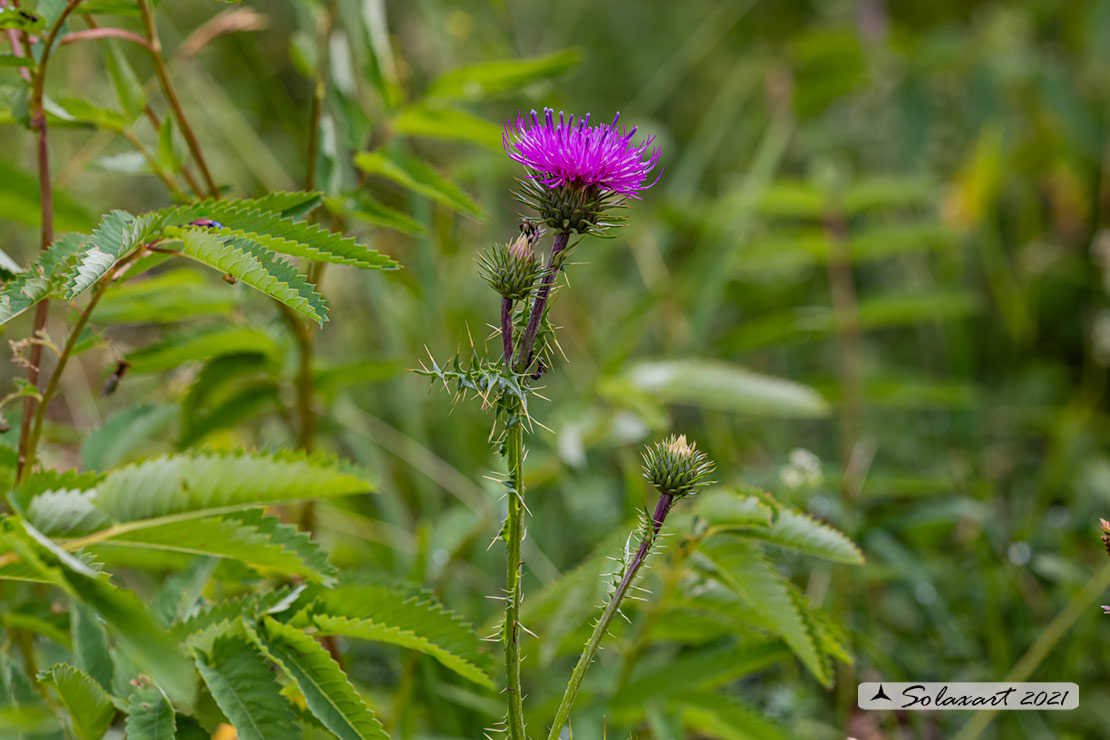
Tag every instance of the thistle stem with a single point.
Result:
(529, 339)
(563, 714)
(510, 632)
(507, 332)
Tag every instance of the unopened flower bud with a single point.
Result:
(676, 467)
(512, 270)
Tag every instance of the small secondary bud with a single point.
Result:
(512, 270)
(676, 467)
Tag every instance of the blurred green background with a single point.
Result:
(896, 208)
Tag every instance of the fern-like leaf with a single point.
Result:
(39, 280)
(329, 695)
(240, 259)
(118, 234)
(742, 567)
(89, 706)
(248, 536)
(211, 482)
(385, 613)
(284, 235)
(245, 690)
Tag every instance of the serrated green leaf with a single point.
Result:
(255, 267)
(724, 508)
(150, 715)
(742, 567)
(118, 234)
(245, 690)
(89, 706)
(328, 693)
(489, 78)
(125, 435)
(792, 528)
(419, 177)
(194, 345)
(251, 606)
(277, 232)
(248, 536)
(40, 279)
(385, 613)
(210, 482)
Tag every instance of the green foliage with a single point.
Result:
(329, 695)
(743, 568)
(417, 176)
(384, 613)
(89, 706)
(490, 78)
(244, 688)
(150, 714)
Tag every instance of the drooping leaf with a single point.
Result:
(246, 690)
(89, 706)
(249, 263)
(419, 177)
(385, 613)
(742, 567)
(150, 715)
(328, 693)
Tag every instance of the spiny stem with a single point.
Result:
(529, 338)
(63, 360)
(507, 332)
(514, 444)
(46, 203)
(602, 627)
(171, 97)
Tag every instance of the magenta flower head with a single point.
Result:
(577, 171)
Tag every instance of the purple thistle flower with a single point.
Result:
(569, 152)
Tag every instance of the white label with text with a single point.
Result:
(940, 696)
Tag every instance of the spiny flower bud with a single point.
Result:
(1105, 534)
(677, 467)
(512, 269)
